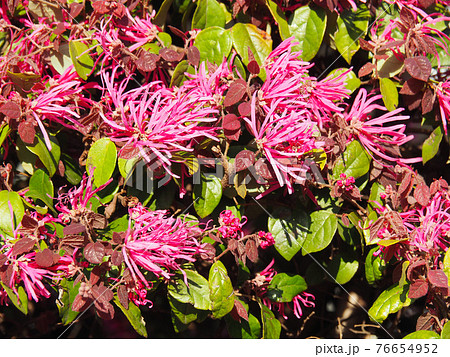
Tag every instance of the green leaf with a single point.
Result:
(4, 132)
(133, 314)
(250, 329)
(374, 267)
(289, 231)
(64, 303)
(118, 225)
(271, 326)
(72, 170)
(355, 161)
(214, 43)
(178, 76)
(343, 267)
(284, 287)
(6, 221)
(445, 333)
(20, 302)
(422, 335)
(221, 290)
(126, 167)
(321, 232)
(160, 18)
(195, 293)
(82, 61)
(184, 313)
(446, 263)
(351, 26)
(390, 301)
(430, 146)
(280, 18)
(208, 13)
(60, 59)
(389, 93)
(207, 195)
(307, 24)
(375, 191)
(389, 67)
(41, 187)
(247, 36)
(50, 159)
(352, 82)
(102, 156)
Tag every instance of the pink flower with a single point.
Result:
(78, 200)
(266, 239)
(158, 244)
(230, 225)
(156, 121)
(263, 280)
(289, 85)
(373, 134)
(139, 31)
(443, 96)
(283, 139)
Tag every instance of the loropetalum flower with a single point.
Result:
(158, 244)
(156, 121)
(230, 225)
(262, 281)
(139, 31)
(76, 204)
(284, 139)
(373, 133)
(442, 91)
(289, 85)
(266, 239)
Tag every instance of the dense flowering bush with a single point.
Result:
(223, 168)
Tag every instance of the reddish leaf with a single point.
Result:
(428, 101)
(123, 296)
(99, 221)
(366, 69)
(100, 7)
(422, 194)
(251, 250)
(426, 3)
(412, 86)
(3, 259)
(74, 228)
(44, 258)
(29, 223)
(232, 135)
(74, 241)
(407, 17)
(240, 309)
(117, 238)
(80, 303)
(193, 56)
(245, 109)
(244, 159)
(253, 67)
(128, 152)
(406, 184)
(418, 289)
(102, 293)
(438, 278)
(94, 252)
(235, 93)
(263, 169)
(424, 322)
(147, 61)
(231, 123)
(177, 32)
(418, 67)
(116, 258)
(413, 101)
(392, 44)
(171, 55)
(96, 273)
(10, 109)
(366, 45)
(104, 310)
(75, 9)
(120, 10)
(375, 228)
(23, 245)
